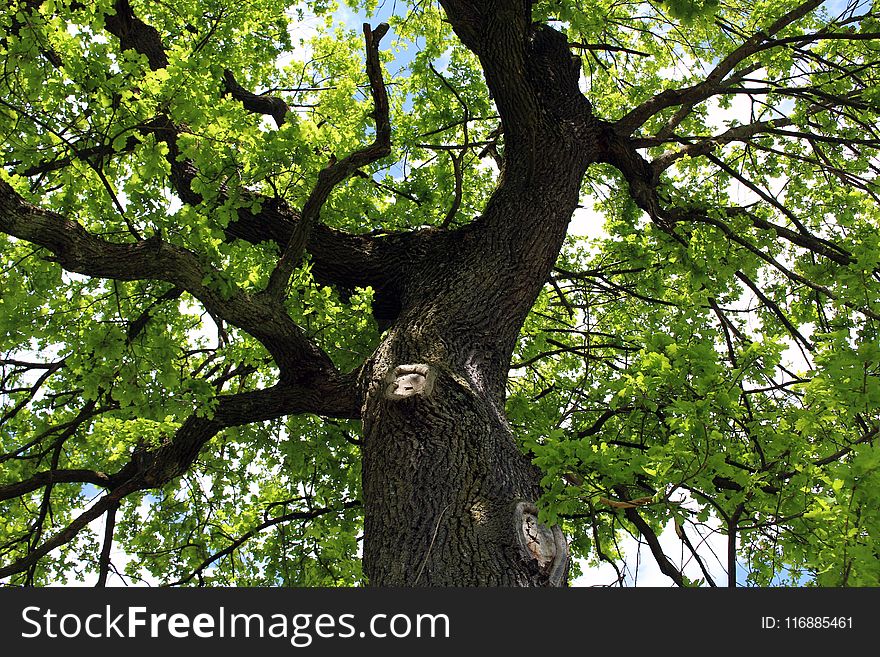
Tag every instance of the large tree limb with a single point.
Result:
(713, 82)
(259, 104)
(338, 259)
(529, 70)
(335, 397)
(81, 252)
(69, 532)
(49, 477)
(134, 34)
(152, 468)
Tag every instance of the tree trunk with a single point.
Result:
(449, 498)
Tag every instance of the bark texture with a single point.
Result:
(442, 474)
(449, 498)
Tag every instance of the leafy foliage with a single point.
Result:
(710, 366)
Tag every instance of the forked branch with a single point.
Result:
(337, 171)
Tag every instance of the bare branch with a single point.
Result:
(679, 530)
(606, 47)
(648, 534)
(104, 559)
(774, 308)
(67, 429)
(757, 190)
(32, 391)
(456, 158)
(241, 540)
(137, 326)
(336, 172)
(600, 422)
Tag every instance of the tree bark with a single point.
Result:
(449, 497)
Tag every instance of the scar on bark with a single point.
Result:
(409, 380)
(546, 545)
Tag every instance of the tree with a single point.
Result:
(268, 306)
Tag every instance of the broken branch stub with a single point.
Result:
(546, 545)
(409, 380)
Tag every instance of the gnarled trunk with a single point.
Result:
(449, 498)
(448, 495)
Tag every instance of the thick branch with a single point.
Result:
(815, 244)
(334, 397)
(154, 468)
(49, 477)
(136, 35)
(68, 533)
(79, 251)
(529, 70)
(137, 326)
(600, 422)
(270, 105)
(607, 47)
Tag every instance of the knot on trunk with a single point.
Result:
(546, 545)
(409, 381)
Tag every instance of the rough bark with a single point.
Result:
(449, 498)
(444, 483)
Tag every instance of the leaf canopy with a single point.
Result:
(704, 358)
